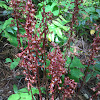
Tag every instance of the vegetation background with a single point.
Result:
(75, 27)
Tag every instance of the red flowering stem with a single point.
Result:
(38, 84)
(94, 51)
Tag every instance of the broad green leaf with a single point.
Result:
(59, 20)
(76, 74)
(14, 97)
(56, 12)
(8, 60)
(16, 60)
(11, 38)
(34, 90)
(24, 90)
(89, 9)
(62, 78)
(57, 40)
(25, 96)
(53, 4)
(59, 33)
(96, 72)
(7, 0)
(14, 28)
(76, 63)
(88, 77)
(51, 37)
(68, 61)
(0, 28)
(15, 88)
(7, 22)
(51, 27)
(52, 49)
(2, 2)
(66, 28)
(9, 29)
(57, 23)
(98, 11)
(48, 8)
(61, 26)
(97, 66)
(63, 19)
(3, 5)
(43, 90)
(13, 65)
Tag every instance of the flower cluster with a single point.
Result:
(56, 70)
(76, 11)
(96, 89)
(33, 55)
(69, 87)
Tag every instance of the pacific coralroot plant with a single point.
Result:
(34, 56)
(50, 69)
(57, 69)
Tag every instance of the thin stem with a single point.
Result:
(38, 85)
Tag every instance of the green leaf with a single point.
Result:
(15, 88)
(76, 63)
(57, 40)
(8, 29)
(34, 90)
(3, 5)
(7, 0)
(88, 77)
(68, 61)
(0, 28)
(11, 38)
(24, 90)
(8, 60)
(14, 97)
(13, 65)
(47, 63)
(52, 49)
(43, 90)
(59, 33)
(88, 10)
(56, 12)
(97, 66)
(59, 20)
(14, 28)
(62, 78)
(51, 37)
(66, 21)
(61, 26)
(7, 22)
(98, 11)
(48, 8)
(16, 60)
(25, 96)
(76, 74)
(57, 23)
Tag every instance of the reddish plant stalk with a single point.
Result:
(94, 50)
